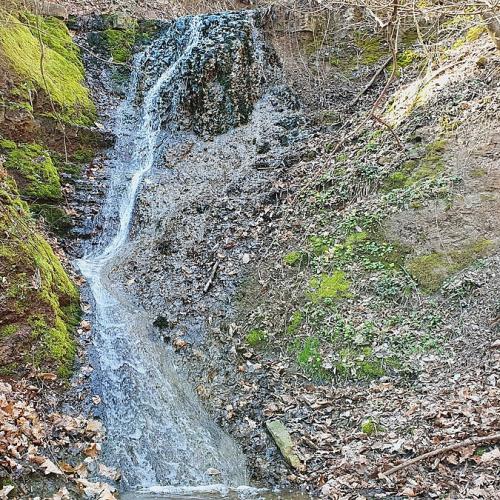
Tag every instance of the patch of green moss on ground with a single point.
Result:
(334, 286)
(310, 360)
(39, 293)
(370, 250)
(295, 321)
(255, 337)
(295, 258)
(431, 270)
(370, 427)
(8, 331)
(62, 76)
(407, 58)
(37, 176)
(361, 363)
(429, 167)
(472, 34)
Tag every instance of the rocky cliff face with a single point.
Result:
(216, 87)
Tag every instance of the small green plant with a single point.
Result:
(309, 358)
(295, 321)
(295, 258)
(319, 244)
(370, 427)
(255, 337)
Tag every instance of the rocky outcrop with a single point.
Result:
(227, 66)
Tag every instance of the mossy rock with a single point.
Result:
(431, 270)
(62, 77)
(39, 295)
(32, 167)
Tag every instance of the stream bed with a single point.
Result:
(190, 90)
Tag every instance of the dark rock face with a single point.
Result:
(227, 66)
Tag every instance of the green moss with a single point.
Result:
(310, 360)
(371, 48)
(478, 172)
(432, 164)
(370, 250)
(33, 167)
(360, 363)
(396, 180)
(295, 258)
(120, 43)
(294, 323)
(54, 34)
(255, 338)
(407, 58)
(370, 427)
(62, 76)
(39, 295)
(334, 286)
(431, 270)
(319, 244)
(8, 330)
(413, 171)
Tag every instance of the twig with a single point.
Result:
(372, 81)
(212, 276)
(388, 127)
(438, 451)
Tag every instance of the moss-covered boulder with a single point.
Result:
(33, 169)
(49, 75)
(39, 304)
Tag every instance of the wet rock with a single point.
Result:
(226, 69)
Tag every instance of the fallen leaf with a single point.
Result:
(50, 467)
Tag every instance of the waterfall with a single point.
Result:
(158, 434)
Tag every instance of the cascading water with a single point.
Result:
(157, 431)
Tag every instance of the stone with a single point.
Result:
(283, 441)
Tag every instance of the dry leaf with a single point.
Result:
(50, 467)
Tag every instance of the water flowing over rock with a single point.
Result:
(202, 74)
(219, 65)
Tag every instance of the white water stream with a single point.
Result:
(157, 431)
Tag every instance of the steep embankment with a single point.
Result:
(45, 114)
(45, 107)
(368, 322)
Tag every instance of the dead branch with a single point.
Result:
(439, 451)
(372, 81)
